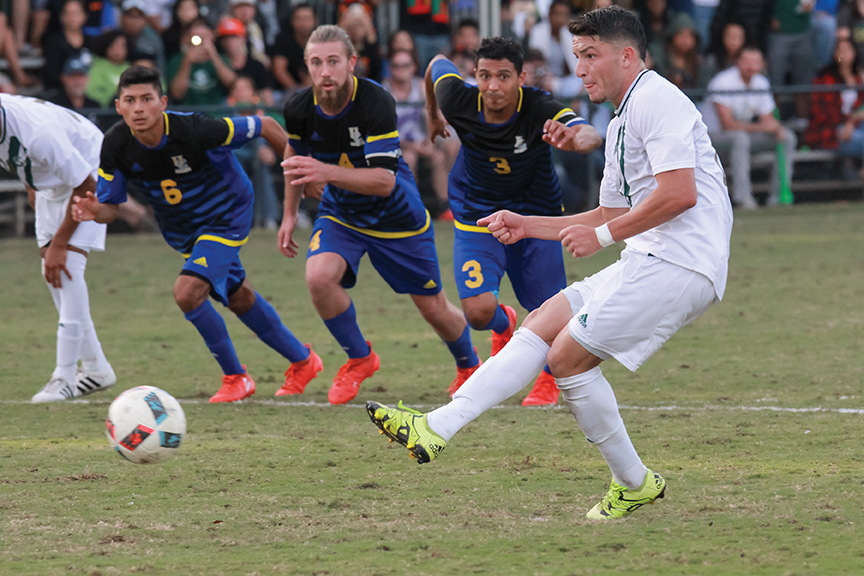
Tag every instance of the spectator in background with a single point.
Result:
(553, 39)
(790, 52)
(703, 13)
(100, 17)
(73, 94)
(655, 19)
(268, 18)
(681, 60)
(399, 40)
(850, 25)
(141, 39)
(232, 41)
(835, 117)
(356, 21)
(725, 54)
(429, 25)
(213, 11)
(289, 68)
(199, 75)
(823, 22)
(109, 62)
(256, 158)
(245, 11)
(466, 37)
(407, 88)
(9, 51)
(743, 123)
(67, 43)
(754, 15)
(183, 14)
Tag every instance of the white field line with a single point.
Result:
(666, 408)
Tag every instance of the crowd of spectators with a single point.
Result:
(248, 54)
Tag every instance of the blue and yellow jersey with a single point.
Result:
(363, 135)
(192, 179)
(500, 166)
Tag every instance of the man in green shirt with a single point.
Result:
(199, 75)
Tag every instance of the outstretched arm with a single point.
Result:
(293, 193)
(579, 138)
(434, 118)
(368, 181)
(274, 134)
(88, 207)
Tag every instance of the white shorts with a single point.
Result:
(50, 214)
(628, 310)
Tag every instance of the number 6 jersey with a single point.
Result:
(192, 179)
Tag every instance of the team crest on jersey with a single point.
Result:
(521, 146)
(356, 138)
(181, 166)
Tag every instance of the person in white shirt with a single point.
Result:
(663, 193)
(553, 39)
(55, 153)
(742, 124)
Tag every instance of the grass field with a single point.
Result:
(753, 414)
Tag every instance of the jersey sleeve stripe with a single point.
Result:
(563, 112)
(394, 134)
(470, 228)
(108, 177)
(225, 241)
(393, 154)
(446, 76)
(230, 131)
(293, 136)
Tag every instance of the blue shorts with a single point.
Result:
(408, 264)
(535, 267)
(217, 264)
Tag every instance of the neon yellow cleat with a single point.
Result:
(621, 501)
(409, 428)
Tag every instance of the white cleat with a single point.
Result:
(89, 382)
(55, 390)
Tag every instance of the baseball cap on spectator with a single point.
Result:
(231, 27)
(76, 65)
(133, 4)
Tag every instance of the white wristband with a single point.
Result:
(604, 236)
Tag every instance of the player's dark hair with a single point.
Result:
(498, 48)
(140, 75)
(612, 23)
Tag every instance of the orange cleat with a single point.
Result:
(500, 340)
(446, 216)
(235, 387)
(462, 375)
(545, 391)
(299, 374)
(351, 374)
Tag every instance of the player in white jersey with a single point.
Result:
(55, 153)
(663, 193)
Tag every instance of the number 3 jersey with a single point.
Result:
(362, 135)
(192, 179)
(503, 165)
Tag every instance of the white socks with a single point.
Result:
(499, 378)
(591, 400)
(76, 336)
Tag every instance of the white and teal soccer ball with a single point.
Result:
(145, 425)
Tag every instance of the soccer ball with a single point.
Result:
(145, 425)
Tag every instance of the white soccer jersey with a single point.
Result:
(657, 129)
(48, 147)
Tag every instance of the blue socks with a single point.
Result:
(212, 328)
(263, 319)
(346, 331)
(463, 351)
(547, 370)
(500, 322)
